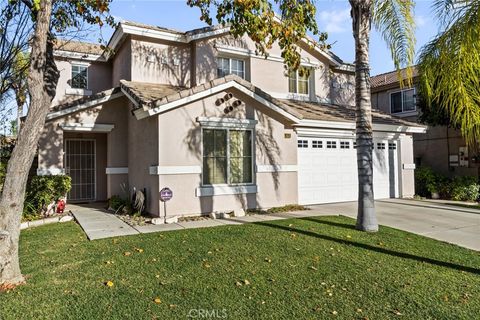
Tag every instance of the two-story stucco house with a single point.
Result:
(442, 148)
(225, 129)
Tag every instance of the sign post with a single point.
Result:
(165, 195)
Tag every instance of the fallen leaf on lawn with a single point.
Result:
(109, 284)
(359, 310)
(313, 268)
(445, 298)
(238, 284)
(293, 235)
(349, 236)
(246, 282)
(157, 300)
(334, 312)
(171, 306)
(268, 260)
(139, 250)
(397, 313)
(290, 225)
(209, 252)
(127, 253)
(157, 276)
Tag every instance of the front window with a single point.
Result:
(402, 101)
(226, 66)
(79, 77)
(227, 156)
(298, 81)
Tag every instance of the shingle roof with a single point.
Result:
(77, 46)
(332, 112)
(389, 78)
(149, 95)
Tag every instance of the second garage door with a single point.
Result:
(327, 170)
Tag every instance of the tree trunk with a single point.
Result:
(361, 17)
(42, 81)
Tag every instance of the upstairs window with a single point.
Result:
(298, 81)
(402, 101)
(79, 77)
(226, 66)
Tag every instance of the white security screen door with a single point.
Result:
(80, 166)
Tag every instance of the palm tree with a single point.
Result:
(449, 66)
(394, 20)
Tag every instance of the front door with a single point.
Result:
(80, 166)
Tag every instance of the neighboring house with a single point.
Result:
(201, 113)
(441, 148)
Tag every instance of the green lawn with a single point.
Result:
(311, 268)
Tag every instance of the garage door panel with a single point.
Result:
(330, 174)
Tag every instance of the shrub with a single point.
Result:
(427, 181)
(116, 203)
(464, 189)
(42, 191)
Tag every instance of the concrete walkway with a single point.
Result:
(457, 225)
(97, 223)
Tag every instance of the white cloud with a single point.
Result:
(335, 21)
(421, 21)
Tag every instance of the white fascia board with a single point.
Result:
(135, 103)
(87, 127)
(157, 34)
(78, 55)
(140, 114)
(352, 126)
(325, 133)
(83, 106)
(207, 34)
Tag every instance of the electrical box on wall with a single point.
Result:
(463, 156)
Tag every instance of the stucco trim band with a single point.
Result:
(50, 171)
(227, 122)
(224, 190)
(168, 170)
(87, 127)
(277, 168)
(116, 170)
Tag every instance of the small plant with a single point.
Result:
(42, 191)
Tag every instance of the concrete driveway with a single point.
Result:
(457, 225)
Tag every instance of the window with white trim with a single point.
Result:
(298, 81)
(79, 77)
(331, 145)
(226, 66)
(302, 143)
(227, 156)
(402, 101)
(344, 145)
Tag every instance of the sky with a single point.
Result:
(333, 16)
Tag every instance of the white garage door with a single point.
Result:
(327, 170)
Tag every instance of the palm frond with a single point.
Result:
(394, 19)
(450, 71)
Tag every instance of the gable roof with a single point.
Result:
(389, 79)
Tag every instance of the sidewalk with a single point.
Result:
(97, 223)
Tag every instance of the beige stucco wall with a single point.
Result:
(122, 63)
(99, 78)
(269, 74)
(143, 153)
(111, 152)
(180, 145)
(160, 62)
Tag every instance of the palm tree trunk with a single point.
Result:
(42, 81)
(361, 16)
